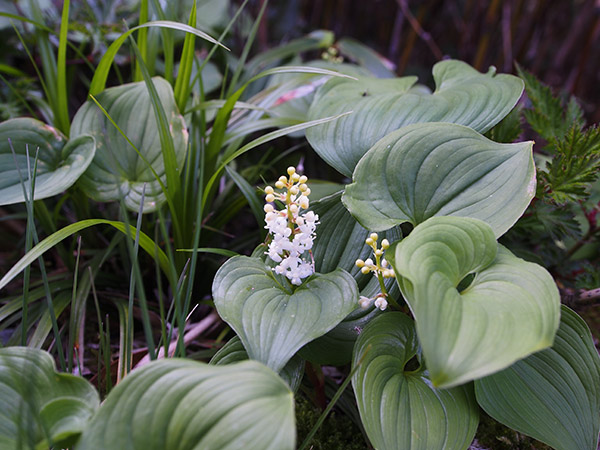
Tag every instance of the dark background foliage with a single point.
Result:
(559, 41)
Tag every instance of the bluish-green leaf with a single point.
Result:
(118, 171)
(233, 351)
(179, 404)
(399, 407)
(39, 407)
(509, 311)
(272, 318)
(441, 169)
(553, 395)
(60, 162)
(462, 95)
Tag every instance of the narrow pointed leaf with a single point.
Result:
(39, 406)
(180, 404)
(509, 311)
(118, 171)
(145, 242)
(441, 169)
(274, 320)
(553, 395)
(399, 407)
(233, 351)
(60, 162)
(463, 95)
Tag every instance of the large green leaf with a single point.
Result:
(339, 243)
(233, 351)
(60, 163)
(274, 319)
(462, 95)
(399, 407)
(118, 170)
(553, 395)
(179, 404)
(441, 169)
(510, 309)
(39, 407)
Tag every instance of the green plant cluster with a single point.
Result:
(433, 271)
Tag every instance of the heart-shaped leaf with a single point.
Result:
(510, 309)
(441, 169)
(234, 351)
(463, 95)
(553, 395)
(399, 407)
(39, 407)
(60, 163)
(117, 170)
(272, 318)
(179, 404)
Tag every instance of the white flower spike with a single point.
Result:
(292, 232)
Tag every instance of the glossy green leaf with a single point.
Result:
(509, 311)
(60, 162)
(441, 169)
(273, 318)
(179, 404)
(39, 407)
(399, 407)
(553, 395)
(118, 171)
(233, 351)
(463, 95)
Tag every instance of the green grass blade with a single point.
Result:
(99, 80)
(249, 193)
(173, 191)
(49, 67)
(215, 251)
(261, 140)
(72, 317)
(182, 84)
(168, 44)
(249, 41)
(43, 246)
(62, 107)
(142, 39)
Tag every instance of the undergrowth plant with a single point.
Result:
(415, 279)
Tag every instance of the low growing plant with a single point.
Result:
(397, 278)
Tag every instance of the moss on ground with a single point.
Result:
(337, 432)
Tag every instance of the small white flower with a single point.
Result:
(381, 303)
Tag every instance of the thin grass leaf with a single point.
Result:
(216, 251)
(173, 190)
(168, 44)
(247, 46)
(62, 108)
(142, 39)
(182, 83)
(249, 193)
(43, 246)
(101, 74)
(261, 140)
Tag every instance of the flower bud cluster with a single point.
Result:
(292, 232)
(380, 268)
